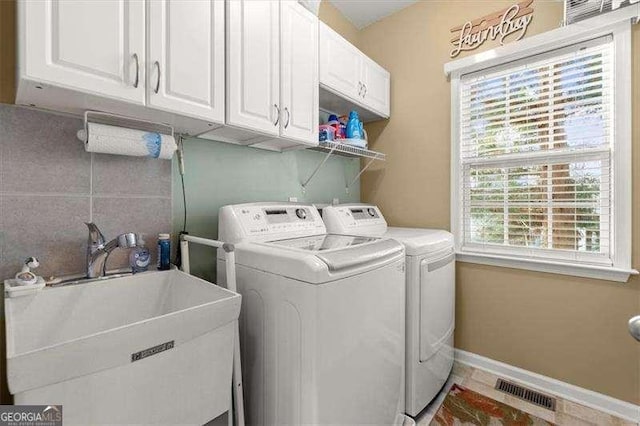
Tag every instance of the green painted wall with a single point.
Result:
(219, 173)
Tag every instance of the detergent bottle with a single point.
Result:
(353, 126)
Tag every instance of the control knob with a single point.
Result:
(371, 212)
(301, 213)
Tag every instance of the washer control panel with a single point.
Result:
(273, 221)
(364, 213)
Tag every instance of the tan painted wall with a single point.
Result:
(337, 21)
(568, 328)
(7, 51)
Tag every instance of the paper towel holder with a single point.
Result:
(110, 119)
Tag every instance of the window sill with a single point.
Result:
(562, 268)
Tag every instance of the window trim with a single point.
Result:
(617, 25)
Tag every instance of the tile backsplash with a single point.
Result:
(49, 186)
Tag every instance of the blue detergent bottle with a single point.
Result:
(353, 126)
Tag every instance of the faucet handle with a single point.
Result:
(129, 240)
(95, 236)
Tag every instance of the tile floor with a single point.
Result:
(567, 413)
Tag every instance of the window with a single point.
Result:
(537, 145)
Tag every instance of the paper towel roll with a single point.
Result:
(105, 139)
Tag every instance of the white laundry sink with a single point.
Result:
(154, 347)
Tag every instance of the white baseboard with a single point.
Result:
(546, 384)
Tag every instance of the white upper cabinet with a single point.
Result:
(299, 72)
(93, 46)
(253, 61)
(185, 65)
(272, 70)
(349, 74)
(243, 71)
(339, 64)
(375, 86)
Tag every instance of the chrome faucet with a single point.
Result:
(98, 251)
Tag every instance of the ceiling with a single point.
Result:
(364, 12)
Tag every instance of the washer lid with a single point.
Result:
(419, 241)
(321, 258)
(341, 252)
(318, 243)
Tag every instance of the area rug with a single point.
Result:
(462, 406)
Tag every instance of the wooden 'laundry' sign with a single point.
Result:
(497, 25)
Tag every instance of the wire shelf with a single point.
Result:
(346, 150)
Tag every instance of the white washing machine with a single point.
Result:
(430, 296)
(321, 324)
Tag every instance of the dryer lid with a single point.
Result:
(418, 241)
(368, 254)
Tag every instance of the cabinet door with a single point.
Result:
(376, 90)
(253, 75)
(299, 69)
(339, 64)
(92, 46)
(186, 57)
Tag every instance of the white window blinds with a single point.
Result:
(535, 156)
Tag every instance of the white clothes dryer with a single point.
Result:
(321, 324)
(430, 296)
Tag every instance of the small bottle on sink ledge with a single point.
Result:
(164, 252)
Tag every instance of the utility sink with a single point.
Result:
(154, 347)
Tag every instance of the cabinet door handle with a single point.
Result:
(278, 116)
(157, 64)
(135, 83)
(288, 117)
(365, 90)
(359, 88)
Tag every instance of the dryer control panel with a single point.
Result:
(268, 222)
(355, 219)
